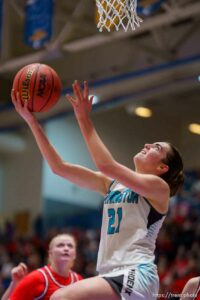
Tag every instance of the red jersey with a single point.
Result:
(41, 284)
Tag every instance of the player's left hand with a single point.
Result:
(81, 101)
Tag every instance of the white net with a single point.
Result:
(116, 14)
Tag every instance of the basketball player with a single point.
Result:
(191, 290)
(17, 274)
(41, 283)
(135, 206)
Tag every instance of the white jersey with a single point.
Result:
(129, 230)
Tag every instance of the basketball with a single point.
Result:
(38, 84)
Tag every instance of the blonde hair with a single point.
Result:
(62, 235)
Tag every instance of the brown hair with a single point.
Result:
(174, 176)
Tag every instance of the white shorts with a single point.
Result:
(140, 282)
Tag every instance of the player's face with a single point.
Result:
(150, 158)
(63, 249)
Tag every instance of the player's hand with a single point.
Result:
(21, 107)
(81, 101)
(19, 272)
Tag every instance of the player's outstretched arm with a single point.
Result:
(82, 105)
(77, 174)
(17, 274)
(149, 186)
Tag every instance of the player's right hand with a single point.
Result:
(21, 107)
(19, 272)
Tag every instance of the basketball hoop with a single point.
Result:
(116, 14)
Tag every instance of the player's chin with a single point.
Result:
(66, 258)
(138, 158)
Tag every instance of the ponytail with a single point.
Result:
(174, 176)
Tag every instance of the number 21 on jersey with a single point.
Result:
(115, 217)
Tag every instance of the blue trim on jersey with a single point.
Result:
(110, 186)
(153, 217)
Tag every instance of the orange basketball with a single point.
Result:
(38, 84)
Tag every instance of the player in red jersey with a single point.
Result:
(43, 282)
(191, 290)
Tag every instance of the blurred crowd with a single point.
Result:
(178, 243)
(177, 253)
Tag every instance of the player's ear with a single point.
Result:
(163, 168)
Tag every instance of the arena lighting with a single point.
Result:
(95, 99)
(143, 112)
(194, 128)
(198, 78)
